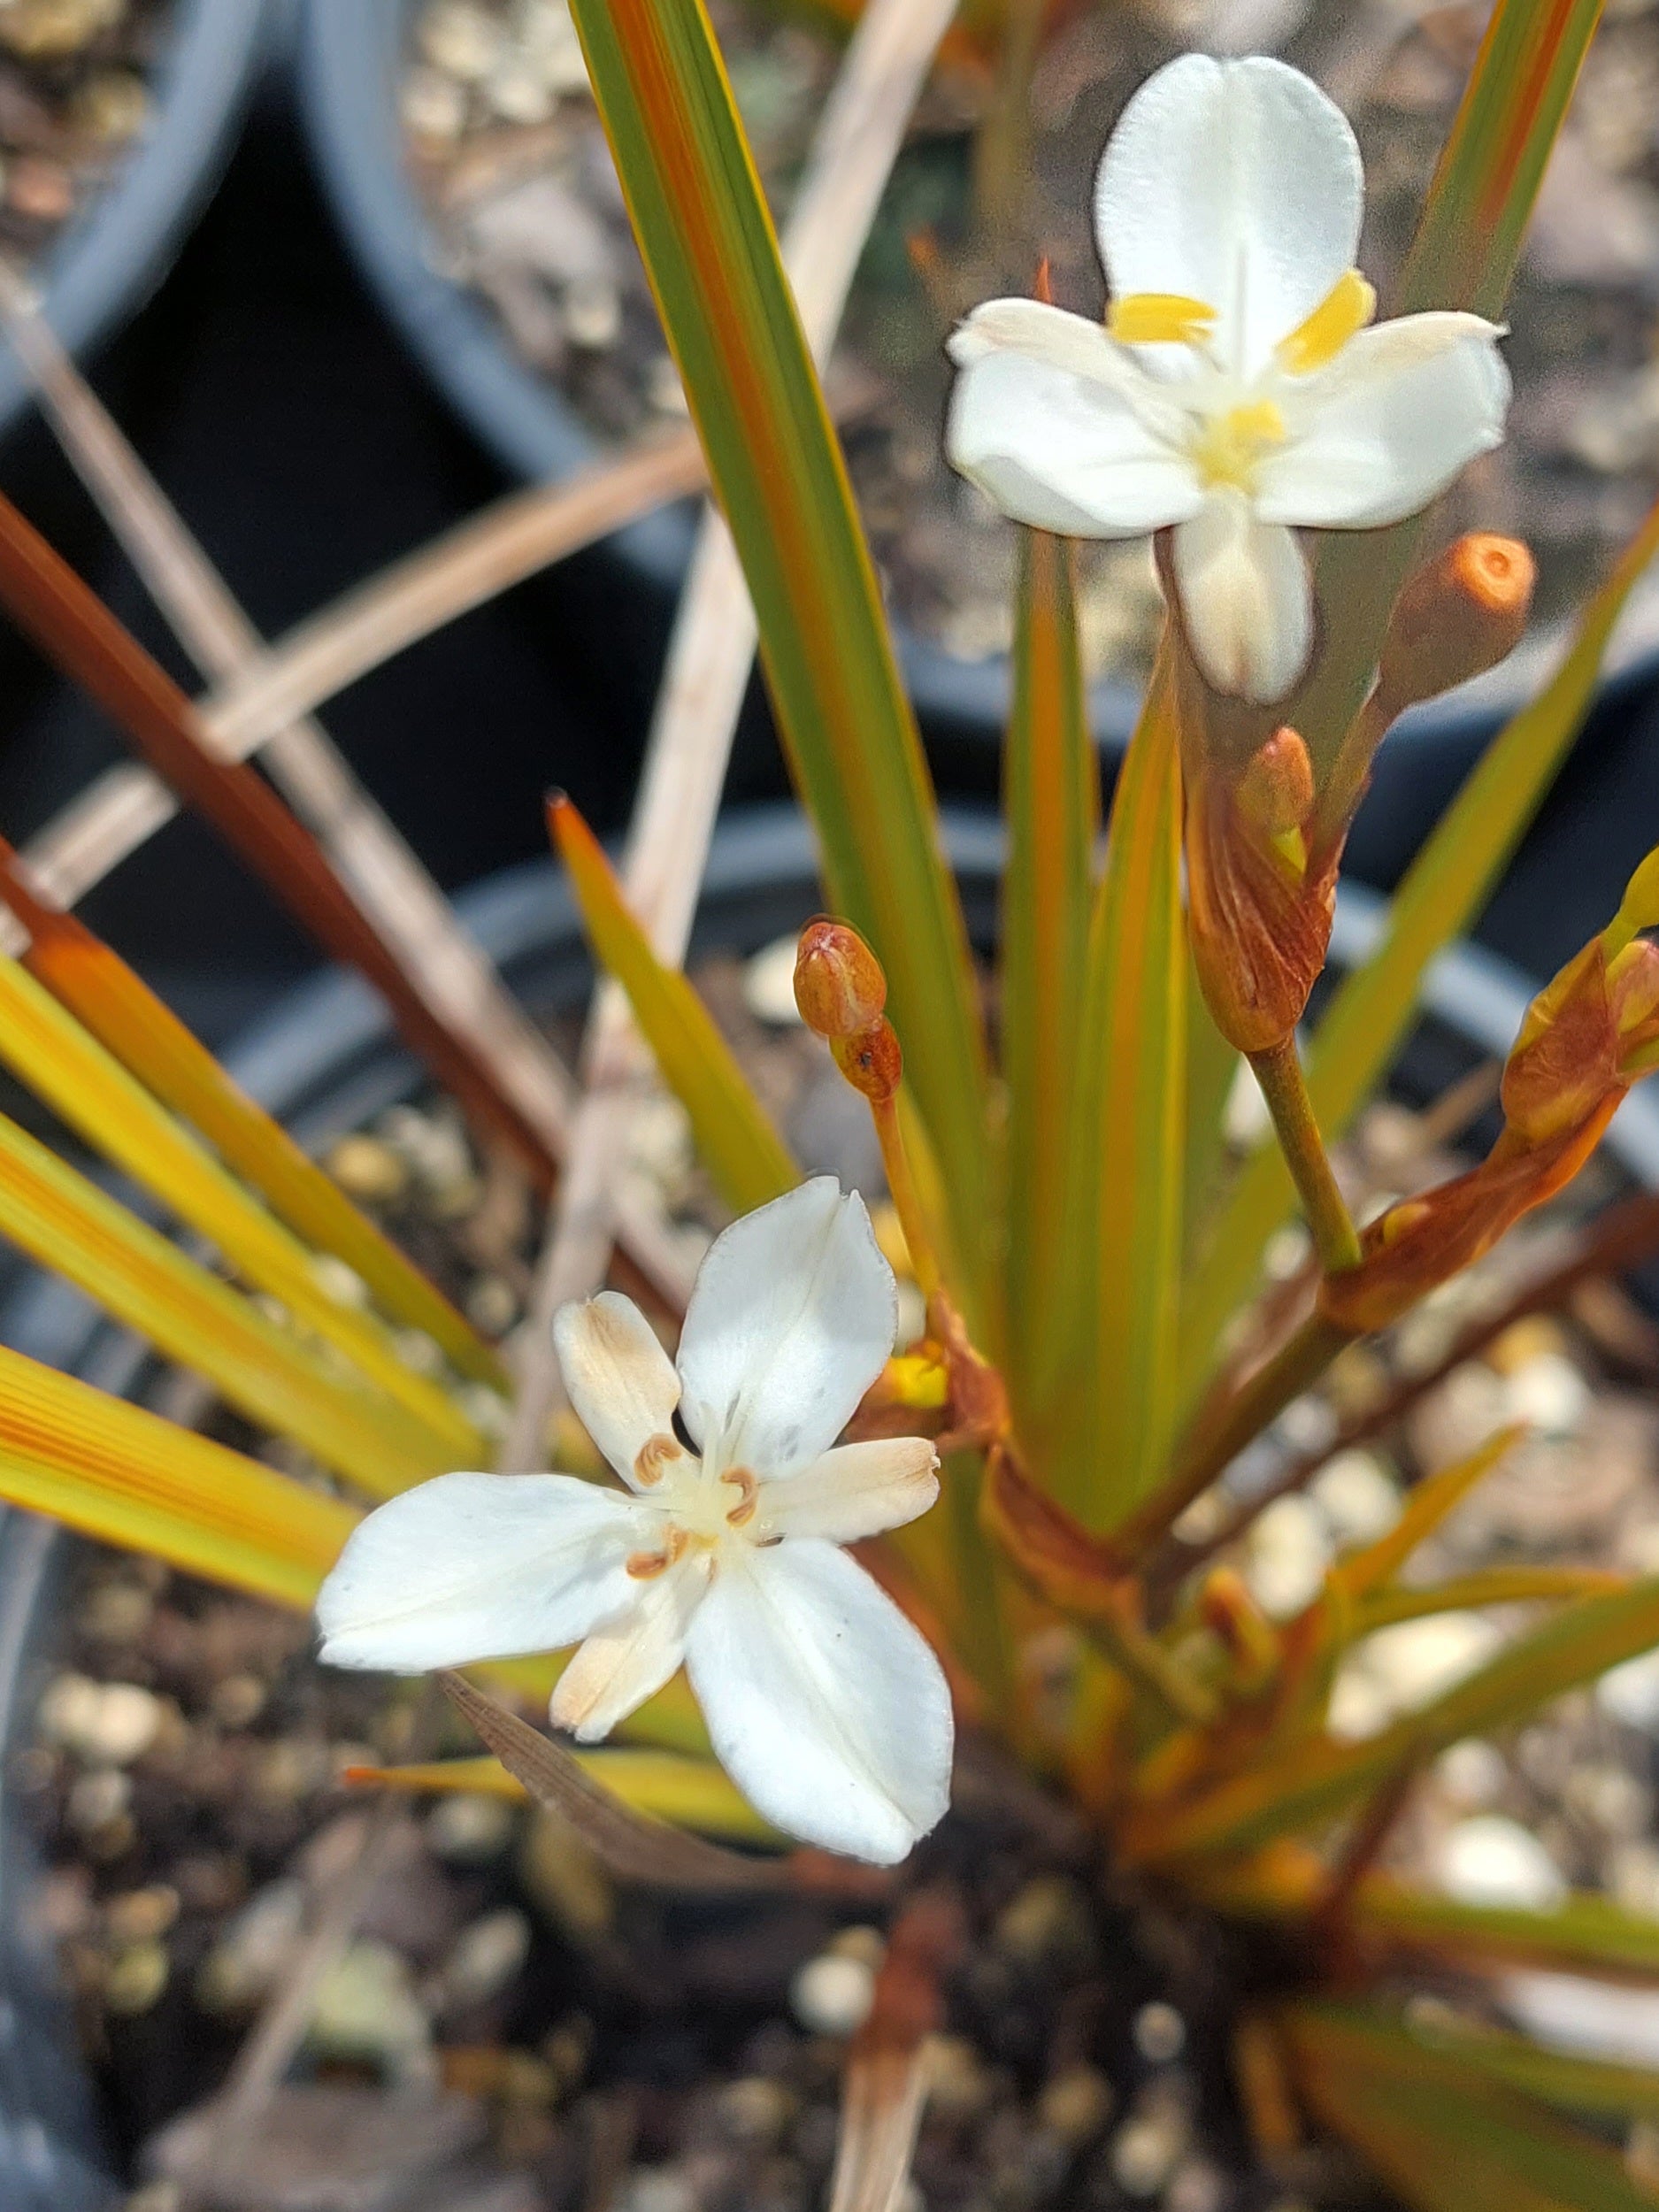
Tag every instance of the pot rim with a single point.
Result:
(104, 264)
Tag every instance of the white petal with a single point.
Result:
(478, 1567)
(1063, 452)
(1245, 600)
(629, 1659)
(621, 1382)
(1238, 183)
(793, 1316)
(857, 1490)
(1386, 428)
(824, 1705)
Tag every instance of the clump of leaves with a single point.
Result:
(1088, 1272)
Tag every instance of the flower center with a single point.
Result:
(1226, 449)
(699, 1513)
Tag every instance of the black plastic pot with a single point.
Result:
(105, 264)
(351, 56)
(325, 1060)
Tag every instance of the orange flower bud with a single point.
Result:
(872, 1062)
(1276, 789)
(1456, 618)
(839, 985)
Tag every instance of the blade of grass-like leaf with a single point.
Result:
(706, 678)
(1464, 256)
(1586, 1934)
(1442, 893)
(113, 1471)
(1575, 2085)
(707, 240)
(745, 1155)
(1486, 1585)
(68, 1224)
(1130, 1128)
(63, 1065)
(1446, 2136)
(688, 1792)
(127, 1018)
(1319, 1778)
(1212, 1068)
(1051, 796)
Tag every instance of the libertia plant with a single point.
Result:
(1040, 1468)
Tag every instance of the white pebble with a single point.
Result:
(1472, 1773)
(486, 1957)
(1488, 1860)
(469, 1828)
(832, 1995)
(1631, 1693)
(1160, 2034)
(1356, 1496)
(1418, 1661)
(1286, 1558)
(1549, 1392)
(110, 1723)
(461, 38)
(769, 985)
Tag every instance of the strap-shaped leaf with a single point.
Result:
(663, 1785)
(748, 1159)
(1443, 893)
(1131, 1128)
(143, 1033)
(68, 1224)
(1447, 2137)
(1051, 793)
(66, 1067)
(1586, 1934)
(128, 1478)
(709, 247)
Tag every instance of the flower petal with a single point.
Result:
(1246, 601)
(1234, 183)
(857, 1490)
(824, 1705)
(478, 1567)
(621, 1382)
(1065, 452)
(630, 1658)
(1386, 428)
(793, 1316)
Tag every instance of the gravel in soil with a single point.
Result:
(74, 100)
(505, 2032)
(510, 164)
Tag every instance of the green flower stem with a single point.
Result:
(1335, 1240)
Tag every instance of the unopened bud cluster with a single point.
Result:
(840, 991)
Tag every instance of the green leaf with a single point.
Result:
(1321, 1778)
(1051, 790)
(1131, 1125)
(149, 1040)
(66, 1067)
(260, 1367)
(1442, 894)
(1446, 2137)
(1574, 2084)
(128, 1478)
(709, 247)
(748, 1159)
(1586, 1934)
(1212, 1067)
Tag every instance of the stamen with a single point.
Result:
(1143, 318)
(645, 1566)
(656, 1453)
(743, 1511)
(1346, 308)
(1232, 444)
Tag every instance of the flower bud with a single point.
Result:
(871, 1062)
(1276, 789)
(1456, 618)
(839, 985)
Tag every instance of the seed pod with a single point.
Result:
(1456, 618)
(839, 985)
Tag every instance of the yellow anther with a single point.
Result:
(1346, 308)
(656, 1453)
(1231, 445)
(1147, 318)
(919, 1381)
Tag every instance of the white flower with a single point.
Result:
(824, 1704)
(1235, 390)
